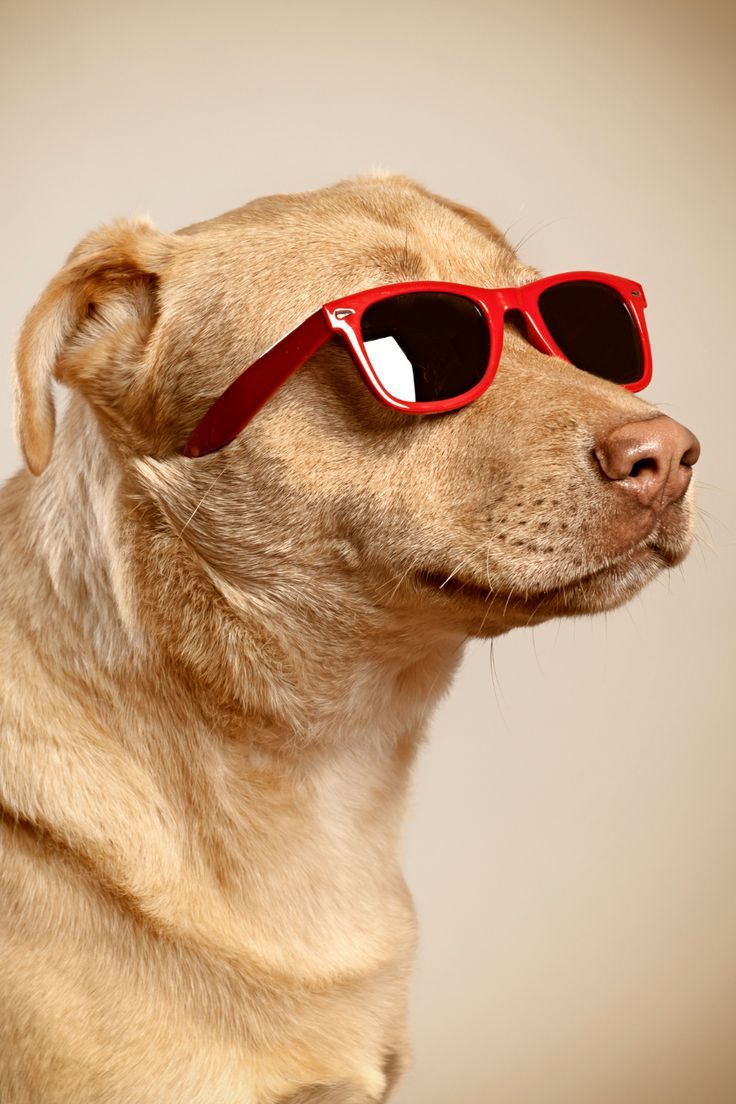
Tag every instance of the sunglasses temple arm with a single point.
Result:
(245, 396)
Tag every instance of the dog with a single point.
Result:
(216, 672)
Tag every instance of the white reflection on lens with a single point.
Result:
(392, 368)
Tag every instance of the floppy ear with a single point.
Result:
(87, 327)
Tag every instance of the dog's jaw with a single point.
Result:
(600, 587)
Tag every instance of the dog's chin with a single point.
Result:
(608, 586)
(486, 612)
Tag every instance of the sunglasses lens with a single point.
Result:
(426, 346)
(591, 324)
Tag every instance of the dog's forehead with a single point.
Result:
(356, 234)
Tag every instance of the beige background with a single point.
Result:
(572, 845)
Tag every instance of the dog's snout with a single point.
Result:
(651, 459)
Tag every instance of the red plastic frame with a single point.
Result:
(232, 411)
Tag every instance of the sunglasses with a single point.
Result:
(429, 347)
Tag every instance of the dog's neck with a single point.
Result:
(175, 782)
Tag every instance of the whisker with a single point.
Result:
(491, 593)
(534, 646)
(537, 229)
(463, 562)
(399, 577)
(530, 619)
(202, 499)
(701, 484)
(496, 683)
(703, 545)
(708, 518)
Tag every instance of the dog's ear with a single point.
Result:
(88, 327)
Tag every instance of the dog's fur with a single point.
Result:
(215, 673)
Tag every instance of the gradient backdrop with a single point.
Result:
(572, 840)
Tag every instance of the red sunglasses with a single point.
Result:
(428, 347)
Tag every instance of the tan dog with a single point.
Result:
(216, 672)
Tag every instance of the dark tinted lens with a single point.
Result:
(426, 346)
(592, 326)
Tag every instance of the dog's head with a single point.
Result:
(554, 493)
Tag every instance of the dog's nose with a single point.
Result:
(650, 459)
